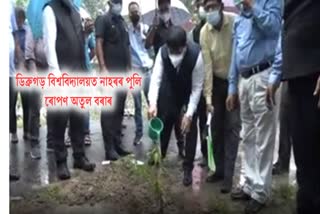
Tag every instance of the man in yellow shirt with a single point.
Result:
(216, 46)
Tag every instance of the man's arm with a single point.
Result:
(208, 81)
(49, 39)
(267, 16)
(197, 86)
(100, 30)
(150, 37)
(233, 71)
(155, 80)
(29, 51)
(275, 75)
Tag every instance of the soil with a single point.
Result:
(125, 188)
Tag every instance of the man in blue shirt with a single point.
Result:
(256, 32)
(141, 62)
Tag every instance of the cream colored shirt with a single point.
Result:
(216, 47)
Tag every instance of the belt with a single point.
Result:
(255, 70)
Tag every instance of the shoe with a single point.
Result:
(181, 149)
(214, 178)
(14, 138)
(137, 141)
(35, 152)
(121, 151)
(67, 142)
(239, 194)
(253, 207)
(14, 177)
(187, 178)
(63, 171)
(84, 164)
(226, 188)
(111, 154)
(87, 140)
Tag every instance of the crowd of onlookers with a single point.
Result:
(229, 66)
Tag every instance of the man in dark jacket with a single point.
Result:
(301, 67)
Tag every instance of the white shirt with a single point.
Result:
(49, 38)
(196, 88)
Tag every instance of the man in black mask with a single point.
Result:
(141, 62)
(113, 52)
(157, 37)
(64, 45)
(177, 81)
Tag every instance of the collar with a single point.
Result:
(166, 24)
(135, 29)
(225, 23)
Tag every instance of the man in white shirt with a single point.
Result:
(177, 80)
(64, 45)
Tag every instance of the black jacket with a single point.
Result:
(301, 38)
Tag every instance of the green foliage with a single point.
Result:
(22, 3)
(95, 7)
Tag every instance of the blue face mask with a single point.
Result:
(246, 14)
(214, 17)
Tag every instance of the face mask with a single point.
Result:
(202, 14)
(135, 18)
(246, 14)
(176, 59)
(116, 8)
(165, 16)
(214, 17)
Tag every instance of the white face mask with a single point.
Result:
(165, 16)
(116, 8)
(214, 17)
(176, 59)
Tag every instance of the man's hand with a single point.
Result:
(152, 112)
(209, 108)
(232, 102)
(186, 124)
(270, 95)
(247, 4)
(317, 91)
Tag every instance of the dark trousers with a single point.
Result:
(57, 124)
(191, 138)
(226, 128)
(13, 95)
(34, 116)
(306, 142)
(111, 121)
(202, 117)
(285, 140)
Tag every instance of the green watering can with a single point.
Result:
(155, 128)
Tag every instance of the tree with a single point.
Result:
(95, 7)
(22, 3)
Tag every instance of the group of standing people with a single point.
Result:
(229, 66)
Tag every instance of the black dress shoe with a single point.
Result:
(226, 187)
(187, 178)
(214, 178)
(253, 207)
(63, 171)
(14, 177)
(84, 164)
(112, 155)
(240, 195)
(121, 151)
